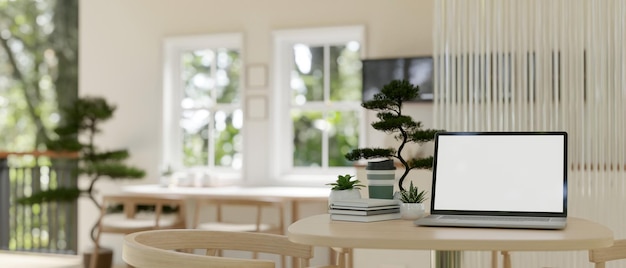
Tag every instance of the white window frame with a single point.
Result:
(173, 47)
(282, 168)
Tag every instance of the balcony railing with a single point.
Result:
(47, 227)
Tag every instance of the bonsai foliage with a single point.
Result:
(345, 183)
(412, 195)
(78, 134)
(389, 103)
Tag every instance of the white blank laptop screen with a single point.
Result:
(522, 173)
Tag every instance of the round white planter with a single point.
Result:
(412, 211)
(343, 195)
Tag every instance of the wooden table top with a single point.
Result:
(319, 230)
(235, 192)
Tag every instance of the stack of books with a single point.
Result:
(364, 210)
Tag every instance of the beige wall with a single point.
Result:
(121, 56)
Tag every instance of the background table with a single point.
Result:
(291, 195)
(294, 196)
(319, 230)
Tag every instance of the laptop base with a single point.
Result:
(513, 222)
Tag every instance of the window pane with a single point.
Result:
(227, 76)
(197, 78)
(343, 136)
(307, 138)
(307, 77)
(228, 143)
(195, 127)
(345, 73)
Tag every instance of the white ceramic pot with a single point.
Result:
(412, 211)
(343, 195)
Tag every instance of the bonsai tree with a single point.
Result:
(412, 195)
(77, 134)
(388, 102)
(345, 183)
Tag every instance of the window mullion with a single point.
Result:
(211, 131)
(325, 136)
(286, 118)
(175, 95)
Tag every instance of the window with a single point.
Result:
(203, 118)
(318, 100)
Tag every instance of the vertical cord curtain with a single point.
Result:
(541, 65)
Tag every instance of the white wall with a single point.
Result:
(121, 56)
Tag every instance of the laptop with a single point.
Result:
(499, 179)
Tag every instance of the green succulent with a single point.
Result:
(345, 183)
(412, 195)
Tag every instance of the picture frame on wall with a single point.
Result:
(256, 76)
(256, 107)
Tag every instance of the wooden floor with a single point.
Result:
(38, 260)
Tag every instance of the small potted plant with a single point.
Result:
(166, 177)
(344, 188)
(412, 206)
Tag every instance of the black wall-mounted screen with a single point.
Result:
(379, 72)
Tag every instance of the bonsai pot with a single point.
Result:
(104, 260)
(343, 195)
(412, 211)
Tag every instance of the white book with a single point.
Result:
(364, 209)
(365, 203)
(370, 218)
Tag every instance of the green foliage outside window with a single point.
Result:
(38, 69)
(313, 121)
(211, 118)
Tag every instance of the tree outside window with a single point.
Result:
(38, 69)
(205, 117)
(38, 81)
(321, 70)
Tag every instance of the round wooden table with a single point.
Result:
(319, 230)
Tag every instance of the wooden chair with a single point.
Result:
(164, 249)
(131, 219)
(615, 252)
(257, 221)
(598, 257)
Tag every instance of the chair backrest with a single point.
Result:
(131, 219)
(616, 252)
(257, 220)
(162, 249)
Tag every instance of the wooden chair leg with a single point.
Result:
(494, 259)
(506, 259)
(343, 257)
(350, 258)
(283, 259)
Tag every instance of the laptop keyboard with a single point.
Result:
(492, 218)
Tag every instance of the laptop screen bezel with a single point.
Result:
(501, 213)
